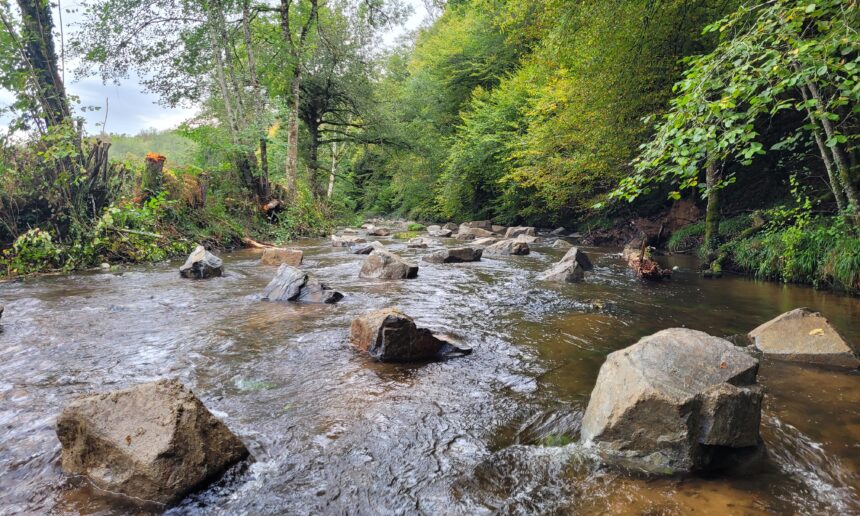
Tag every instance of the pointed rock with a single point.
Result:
(201, 264)
(387, 265)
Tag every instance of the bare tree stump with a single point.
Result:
(153, 176)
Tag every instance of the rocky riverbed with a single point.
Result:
(332, 430)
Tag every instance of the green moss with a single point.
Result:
(556, 440)
(416, 227)
(405, 235)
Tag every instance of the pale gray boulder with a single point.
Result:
(201, 264)
(803, 336)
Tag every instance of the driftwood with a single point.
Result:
(248, 242)
(645, 267)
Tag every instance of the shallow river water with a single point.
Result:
(333, 432)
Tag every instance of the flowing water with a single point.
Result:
(333, 432)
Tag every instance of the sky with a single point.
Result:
(129, 108)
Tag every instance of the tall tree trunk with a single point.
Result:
(835, 185)
(259, 101)
(37, 26)
(712, 212)
(293, 132)
(333, 169)
(153, 176)
(265, 188)
(313, 161)
(838, 157)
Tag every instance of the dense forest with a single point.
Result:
(584, 114)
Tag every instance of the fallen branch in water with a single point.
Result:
(248, 242)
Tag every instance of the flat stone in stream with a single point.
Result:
(279, 255)
(507, 247)
(455, 255)
(201, 264)
(346, 240)
(387, 265)
(155, 442)
(291, 284)
(803, 336)
(367, 248)
(677, 401)
(571, 268)
(389, 335)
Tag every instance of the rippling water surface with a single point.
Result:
(333, 432)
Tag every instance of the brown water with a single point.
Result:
(332, 432)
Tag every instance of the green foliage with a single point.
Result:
(406, 235)
(555, 440)
(33, 251)
(690, 237)
(416, 227)
(180, 150)
(304, 216)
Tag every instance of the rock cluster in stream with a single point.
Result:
(676, 402)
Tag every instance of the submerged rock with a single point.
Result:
(507, 247)
(291, 284)
(677, 401)
(389, 335)
(155, 442)
(571, 268)
(279, 255)
(1, 311)
(386, 265)
(455, 255)
(516, 231)
(346, 240)
(367, 248)
(201, 264)
(803, 336)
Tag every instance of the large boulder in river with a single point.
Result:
(375, 231)
(571, 268)
(291, 284)
(529, 239)
(389, 335)
(507, 248)
(367, 247)
(803, 336)
(677, 401)
(153, 442)
(469, 233)
(484, 242)
(514, 232)
(346, 240)
(279, 255)
(450, 226)
(386, 265)
(439, 233)
(455, 255)
(201, 264)
(561, 244)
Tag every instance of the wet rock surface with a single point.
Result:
(387, 265)
(802, 335)
(279, 255)
(677, 401)
(571, 268)
(201, 264)
(455, 255)
(389, 335)
(292, 284)
(514, 232)
(346, 240)
(154, 442)
(507, 248)
(367, 248)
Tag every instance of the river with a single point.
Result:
(333, 432)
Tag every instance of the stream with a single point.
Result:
(333, 432)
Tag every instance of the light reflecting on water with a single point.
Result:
(334, 432)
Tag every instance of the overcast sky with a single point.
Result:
(130, 110)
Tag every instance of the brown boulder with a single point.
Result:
(455, 255)
(386, 265)
(279, 255)
(154, 442)
(803, 336)
(681, 213)
(389, 335)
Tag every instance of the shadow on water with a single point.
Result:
(332, 431)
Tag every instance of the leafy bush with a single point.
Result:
(416, 227)
(405, 235)
(33, 251)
